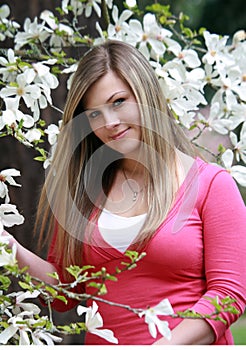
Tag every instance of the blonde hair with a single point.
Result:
(65, 192)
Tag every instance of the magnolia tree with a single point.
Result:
(203, 76)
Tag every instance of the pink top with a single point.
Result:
(198, 251)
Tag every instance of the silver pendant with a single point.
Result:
(134, 196)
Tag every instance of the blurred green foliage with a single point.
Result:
(217, 16)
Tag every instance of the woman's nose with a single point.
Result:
(111, 120)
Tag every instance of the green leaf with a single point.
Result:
(54, 275)
(62, 298)
(103, 289)
(5, 282)
(25, 286)
(40, 159)
(51, 290)
(77, 270)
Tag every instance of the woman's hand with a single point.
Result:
(190, 332)
(10, 239)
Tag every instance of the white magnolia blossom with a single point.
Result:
(188, 56)
(131, 3)
(24, 89)
(48, 161)
(34, 86)
(94, 321)
(32, 136)
(21, 306)
(150, 33)
(8, 258)
(76, 5)
(57, 41)
(71, 70)
(239, 143)
(9, 67)
(23, 325)
(119, 28)
(43, 337)
(9, 216)
(164, 308)
(216, 121)
(32, 31)
(216, 50)
(230, 86)
(238, 172)
(16, 326)
(6, 177)
(109, 3)
(43, 75)
(11, 26)
(4, 11)
(21, 319)
(92, 4)
(12, 115)
(53, 131)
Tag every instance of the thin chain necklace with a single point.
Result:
(135, 193)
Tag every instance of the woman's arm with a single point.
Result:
(190, 332)
(38, 267)
(223, 216)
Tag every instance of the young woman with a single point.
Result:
(124, 176)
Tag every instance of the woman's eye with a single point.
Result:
(118, 102)
(94, 114)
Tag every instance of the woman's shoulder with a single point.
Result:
(210, 171)
(202, 176)
(216, 182)
(197, 167)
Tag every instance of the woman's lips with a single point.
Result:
(120, 134)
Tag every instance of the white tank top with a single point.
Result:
(119, 231)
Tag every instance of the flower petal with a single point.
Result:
(105, 334)
(7, 334)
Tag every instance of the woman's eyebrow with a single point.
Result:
(114, 94)
(107, 101)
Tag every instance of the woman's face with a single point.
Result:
(113, 114)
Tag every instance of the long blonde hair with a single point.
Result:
(65, 205)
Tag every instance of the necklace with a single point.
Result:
(135, 193)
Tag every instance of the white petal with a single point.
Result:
(81, 309)
(93, 322)
(24, 339)
(136, 27)
(164, 329)
(94, 308)
(7, 334)
(239, 174)
(106, 334)
(115, 14)
(10, 172)
(152, 329)
(124, 16)
(233, 138)
(30, 307)
(48, 338)
(97, 9)
(227, 158)
(25, 295)
(164, 308)
(157, 46)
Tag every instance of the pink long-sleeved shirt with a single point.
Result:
(199, 251)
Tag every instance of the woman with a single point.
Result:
(124, 176)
